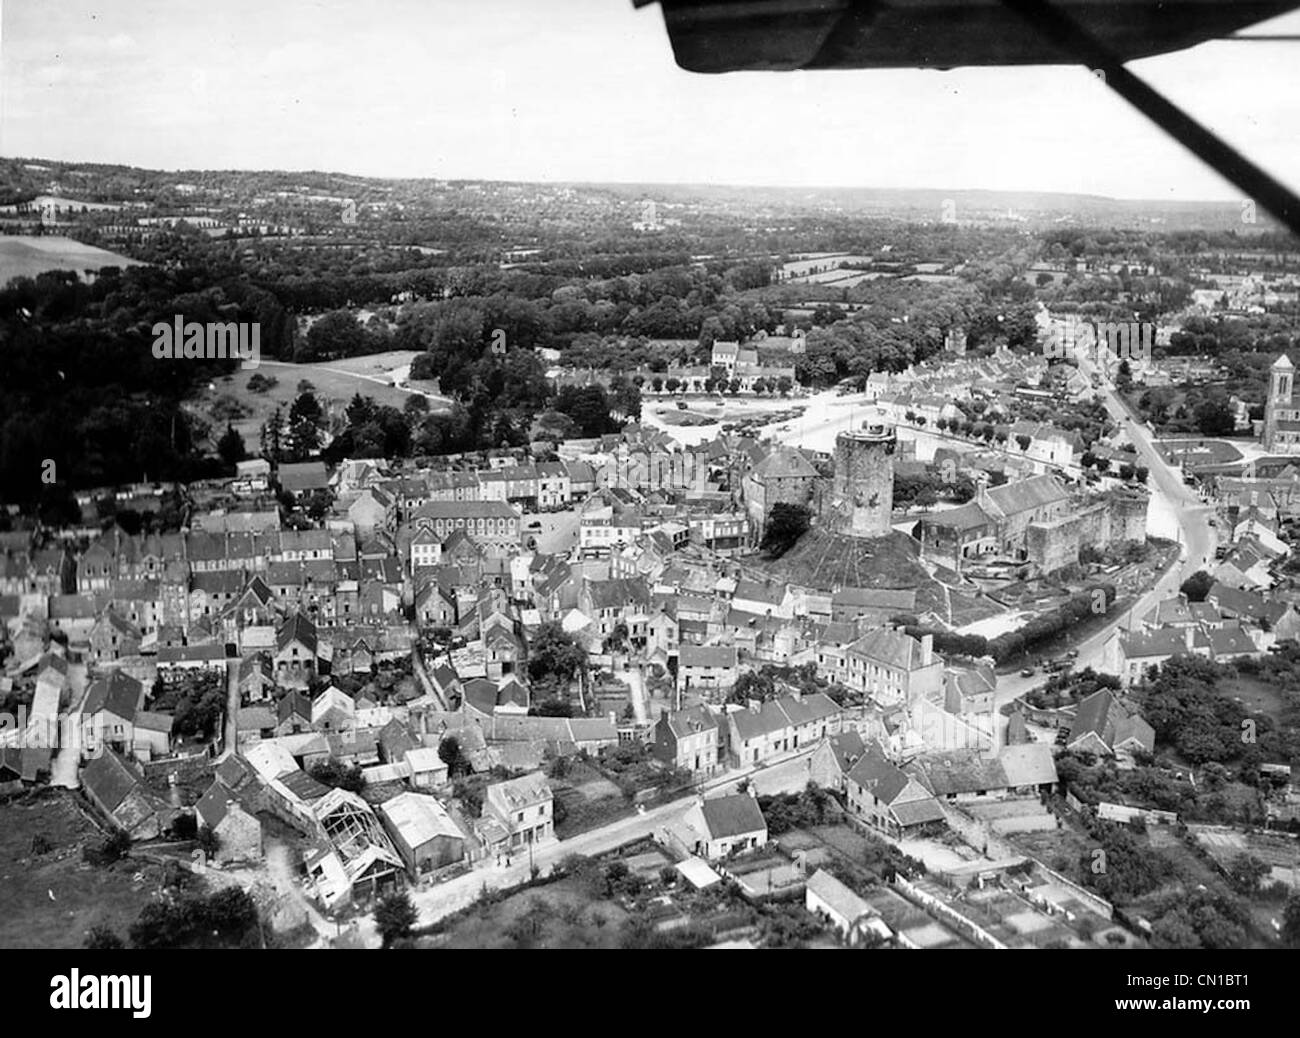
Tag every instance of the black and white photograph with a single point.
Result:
(651, 475)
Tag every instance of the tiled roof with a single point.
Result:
(735, 815)
(890, 647)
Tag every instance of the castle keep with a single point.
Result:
(861, 499)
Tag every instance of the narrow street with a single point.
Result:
(232, 706)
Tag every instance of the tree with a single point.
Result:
(1215, 418)
(101, 938)
(449, 752)
(1246, 872)
(785, 526)
(616, 640)
(1024, 441)
(1197, 586)
(335, 335)
(553, 652)
(209, 841)
(589, 407)
(1291, 921)
(394, 916)
(231, 447)
(225, 919)
(338, 775)
(115, 846)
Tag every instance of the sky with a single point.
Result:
(587, 90)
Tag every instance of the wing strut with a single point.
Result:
(1066, 33)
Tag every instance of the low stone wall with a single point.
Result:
(949, 915)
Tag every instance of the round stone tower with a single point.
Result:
(1129, 514)
(861, 500)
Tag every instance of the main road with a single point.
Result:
(1176, 511)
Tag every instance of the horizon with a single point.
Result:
(681, 185)
(587, 92)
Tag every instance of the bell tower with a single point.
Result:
(1280, 384)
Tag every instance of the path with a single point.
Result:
(281, 874)
(232, 706)
(306, 369)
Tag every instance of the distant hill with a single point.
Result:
(1034, 210)
(27, 256)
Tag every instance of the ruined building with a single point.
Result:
(860, 501)
(1034, 520)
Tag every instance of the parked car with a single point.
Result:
(1028, 672)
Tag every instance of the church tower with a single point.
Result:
(1281, 379)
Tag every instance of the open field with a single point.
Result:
(336, 383)
(27, 256)
(83, 895)
(1256, 696)
(559, 915)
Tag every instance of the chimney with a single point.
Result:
(754, 705)
(1188, 633)
(613, 718)
(927, 649)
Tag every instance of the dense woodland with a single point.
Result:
(421, 270)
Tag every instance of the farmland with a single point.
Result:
(22, 256)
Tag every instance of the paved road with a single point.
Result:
(1169, 495)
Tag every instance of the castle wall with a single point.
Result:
(1100, 524)
(764, 494)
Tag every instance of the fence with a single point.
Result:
(1098, 904)
(978, 834)
(973, 831)
(1123, 813)
(936, 907)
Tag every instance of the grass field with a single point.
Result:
(559, 915)
(336, 383)
(27, 256)
(1256, 696)
(83, 895)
